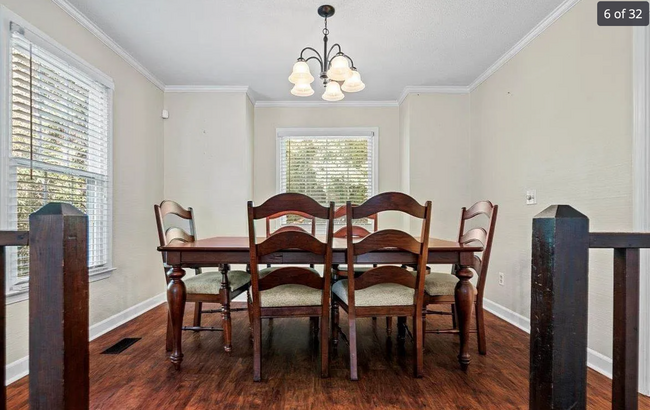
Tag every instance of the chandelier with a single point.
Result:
(337, 71)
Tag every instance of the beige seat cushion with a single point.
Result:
(441, 284)
(291, 295)
(383, 294)
(210, 282)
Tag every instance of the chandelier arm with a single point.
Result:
(317, 56)
(329, 53)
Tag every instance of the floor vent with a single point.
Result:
(121, 346)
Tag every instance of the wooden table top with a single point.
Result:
(240, 243)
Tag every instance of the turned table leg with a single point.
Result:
(464, 296)
(176, 298)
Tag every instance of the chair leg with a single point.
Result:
(401, 328)
(335, 323)
(249, 309)
(480, 329)
(257, 348)
(198, 306)
(418, 344)
(424, 324)
(170, 335)
(324, 344)
(313, 325)
(454, 316)
(389, 325)
(352, 338)
(226, 324)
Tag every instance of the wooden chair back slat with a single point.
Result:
(310, 218)
(293, 275)
(290, 203)
(357, 232)
(387, 238)
(483, 207)
(291, 240)
(389, 201)
(474, 235)
(386, 274)
(171, 207)
(177, 234)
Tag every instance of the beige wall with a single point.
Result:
(557, 118)
(268, 119)
(137, 184)
(208, 151)
(436, 146)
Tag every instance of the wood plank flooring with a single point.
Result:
(141, 377)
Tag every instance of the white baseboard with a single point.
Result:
(16, 370)
(597, 361)
(121, 318)
(20, 368)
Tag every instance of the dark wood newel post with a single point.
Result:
(559, 295)
(58, 308)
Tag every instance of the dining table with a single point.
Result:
(221, 251)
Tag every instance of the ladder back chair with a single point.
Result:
(290, 291)
(383, 290)
(204, 287)
(439, 288)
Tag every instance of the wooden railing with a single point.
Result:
(559, 299)
(58, 307)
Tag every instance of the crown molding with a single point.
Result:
(104, 38)
(206, 89)
(323, 104)
(521, 44)
(432, 90)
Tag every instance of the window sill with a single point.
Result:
(16, 296)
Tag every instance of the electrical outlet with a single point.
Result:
(502, 278)
(531, 197)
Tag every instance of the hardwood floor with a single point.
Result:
(142, 377)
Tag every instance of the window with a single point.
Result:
(328, 164)
(56, 147)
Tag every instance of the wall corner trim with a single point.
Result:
(108, 41)
(521, 44)
(20, 368)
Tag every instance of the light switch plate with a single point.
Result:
(531, 197)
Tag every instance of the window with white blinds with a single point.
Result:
(328, 165)
(59, 147)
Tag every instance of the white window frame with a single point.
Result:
(17, 294)
(316, 133)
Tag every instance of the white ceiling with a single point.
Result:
(394, 43)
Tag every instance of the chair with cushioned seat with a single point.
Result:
(383, 290)
(439, 288)
(204, 287)
(290, 291)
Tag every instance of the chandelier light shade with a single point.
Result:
(353, 84)
(337, 69)
(302, 90)
(301, 73)
(333, 92)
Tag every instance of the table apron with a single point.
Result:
(212, 258)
